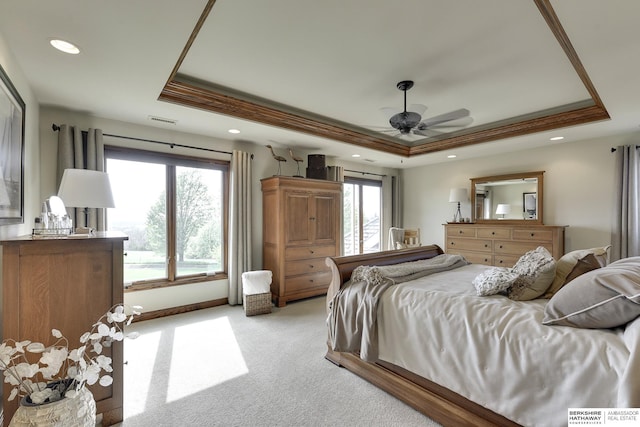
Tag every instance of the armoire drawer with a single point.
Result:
(307, 282)
(469, 245)
(306, 266)
(305, 252)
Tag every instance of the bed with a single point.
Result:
(464, 359)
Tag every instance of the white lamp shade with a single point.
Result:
(503, 209)
(458, 195)
(82, 188)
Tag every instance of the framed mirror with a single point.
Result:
(512, 198)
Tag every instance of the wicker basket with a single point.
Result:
(256, 303)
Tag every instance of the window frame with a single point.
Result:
(171, 160)
(362, 182)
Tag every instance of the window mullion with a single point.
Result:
(171, 223)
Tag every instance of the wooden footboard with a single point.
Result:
(433, 400)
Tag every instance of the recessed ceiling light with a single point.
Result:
(355, 155)
(233, 131)
(451, 156)
(556, 138)
(65, 46)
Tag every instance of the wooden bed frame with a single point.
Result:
(434, 401)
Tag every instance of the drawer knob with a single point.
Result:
(493, 233)
(486, 246)
(459, 231)
(451, 243)
(500, 246)
(532, 234)
(311, 251)
(310, 265)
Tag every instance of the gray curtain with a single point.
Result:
(239, 223)
(78, 150)
(625, 236)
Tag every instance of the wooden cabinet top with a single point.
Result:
(276, 182)
(100, 235)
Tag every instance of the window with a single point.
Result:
(361, 216)
(174, 210)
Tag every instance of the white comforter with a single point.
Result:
(497, 353)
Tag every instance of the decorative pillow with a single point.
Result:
(584, 265)
(536, 270)
(566, 263)
(494, 280)
(607, 297)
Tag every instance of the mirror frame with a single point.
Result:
(486, 179)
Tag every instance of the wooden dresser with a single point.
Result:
(300, 228)
(501, 245)
(65, 284)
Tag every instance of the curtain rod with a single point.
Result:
(613, 149)
(364, 173)
(56, 128)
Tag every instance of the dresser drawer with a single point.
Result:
(518, 248)
(474, 257)
(505, 260)
(313, 265)
(307, 282)
(494, 233)
(304, 252)
(540, 235)
(469, 245)
(461, 231)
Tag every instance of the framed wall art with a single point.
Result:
(12, 110)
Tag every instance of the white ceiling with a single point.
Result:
(335, 62)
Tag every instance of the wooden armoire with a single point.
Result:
(300, 228)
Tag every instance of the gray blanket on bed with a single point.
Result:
(353, 310)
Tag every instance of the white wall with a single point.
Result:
(31, 146)
(578, 188)
(263, 166)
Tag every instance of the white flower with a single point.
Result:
(85, 337)
(36, 347)
(39, 397)
(53, 360)
(104, 330)
(106, 380)
(74, 368)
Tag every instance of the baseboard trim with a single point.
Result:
(179, 310)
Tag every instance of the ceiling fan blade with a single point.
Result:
(456, 123)
(429, 133)
(389, 112)
(446, 117)
(417, 108)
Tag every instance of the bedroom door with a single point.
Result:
(362, 203)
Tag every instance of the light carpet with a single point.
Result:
(217, 367)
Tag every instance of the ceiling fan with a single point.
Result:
(410, 121)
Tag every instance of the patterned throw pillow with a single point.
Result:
(494, 280)
(536, 270)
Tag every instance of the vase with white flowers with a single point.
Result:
(53, 388)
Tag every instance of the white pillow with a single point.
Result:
(536, 270)
(494, 280)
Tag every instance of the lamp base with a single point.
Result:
(457, 217)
